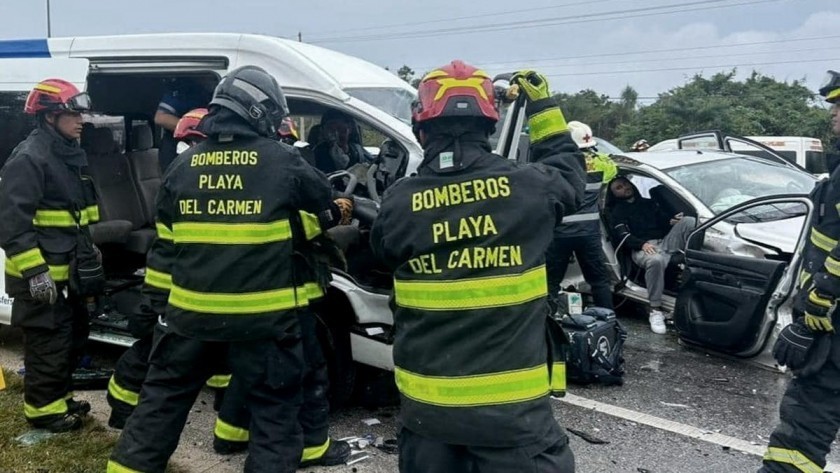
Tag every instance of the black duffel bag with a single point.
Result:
(596, 347)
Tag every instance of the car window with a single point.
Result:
(722, 184)
(393, 101)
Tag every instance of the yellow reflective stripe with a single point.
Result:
(834, 94)
(313, 290)
(468, 294)
(219, 381)
(833, 266)
(231, 233)
(28, 259)
(59, 272)
(821, 241)
(114, 467)
(158, 279)
(229, 432)
(51, 409)
(792, 457)
(60, 218)
(47, 88)
(547, 123)
(92, 213)
(558, 376)
(69, 396)
(804, 276)
(311, 225)
(316, 452)
(163, 232)
(813, 297)
(242, 303)
(478, 390)
(122, 394)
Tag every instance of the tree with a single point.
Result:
(759, 105)
(405, 73)
(598, 111)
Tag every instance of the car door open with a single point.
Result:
(730, 302)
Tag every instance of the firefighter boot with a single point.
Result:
(228, 447)
(336, 453)
(58, 423)
(80, 408)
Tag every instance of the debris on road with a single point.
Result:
(588, 437)
(371, 421)
(671, 404)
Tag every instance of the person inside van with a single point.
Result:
(340, 144)
(182, 95)
(652, 236)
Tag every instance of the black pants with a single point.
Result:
(54, 337)
(590, 257)
(419, 454)
(232, 424)
(124, 386)
(271, 371)
(809, 420)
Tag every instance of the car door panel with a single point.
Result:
(723, 299)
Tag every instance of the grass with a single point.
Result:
(84, 451)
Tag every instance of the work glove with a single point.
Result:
(345, 207)
(818, 311)
(42, 288)
(791, 348)
(545, 119)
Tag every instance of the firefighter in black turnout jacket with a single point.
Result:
(229, 230)
(45, 208)
(810, 346)
(467, 237)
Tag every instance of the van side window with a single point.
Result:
(16, 125)
(815, 162)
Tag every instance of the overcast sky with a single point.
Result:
(652, 45)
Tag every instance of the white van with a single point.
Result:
(126, 77)
(805, 153)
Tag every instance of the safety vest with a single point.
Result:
(229, 225)
(470, 289)
(600, 169)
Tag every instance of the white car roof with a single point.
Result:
(671, 159)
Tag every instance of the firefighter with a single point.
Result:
(467, 238)
(45, 207)
(229, 231)
(287, 133)
(810, 409)
(581, 233)
(130, 371)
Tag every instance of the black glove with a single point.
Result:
(791, 348)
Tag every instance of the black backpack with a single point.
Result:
(596, 347)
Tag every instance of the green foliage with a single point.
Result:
(759, 105)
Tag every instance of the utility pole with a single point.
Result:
(49, 26)
(300, 37)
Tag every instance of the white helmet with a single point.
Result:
(582, 135)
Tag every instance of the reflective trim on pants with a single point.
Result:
(792, 457)
(114, 467)
(230, 432)
(122, 394)
(219, 381)
(57, 407)
(316, 452)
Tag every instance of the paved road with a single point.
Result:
(671, 395)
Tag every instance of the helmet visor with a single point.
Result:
(78, 103)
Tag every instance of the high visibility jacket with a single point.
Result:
(600, 169)
(468, 248)
(229, 228)
(821, 252)
(44, 199)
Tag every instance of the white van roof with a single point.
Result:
(299, 65)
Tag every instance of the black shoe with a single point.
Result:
(337, 453)
(117, 421)
(80, 408)
(58, 424)
(228, 447)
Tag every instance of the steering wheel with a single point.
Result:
(346, 179)
(357, 174)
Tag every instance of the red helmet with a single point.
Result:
(287, 129)
(185, 129)
(56, 95)
(455, 90)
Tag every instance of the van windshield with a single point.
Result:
(393, 101)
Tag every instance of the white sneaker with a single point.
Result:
(657, 321)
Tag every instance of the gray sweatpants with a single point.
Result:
(655, 264)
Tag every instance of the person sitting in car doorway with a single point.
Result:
(652, 236)
(340, 145)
